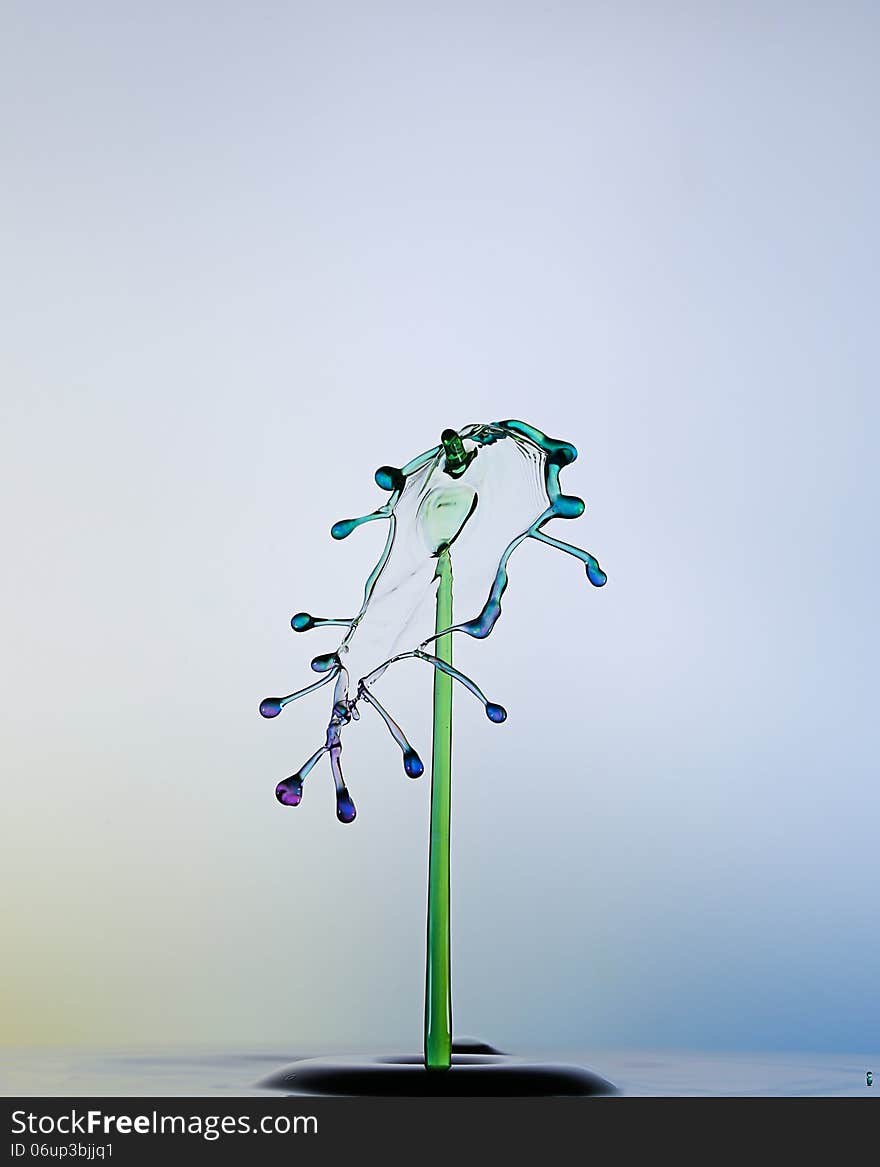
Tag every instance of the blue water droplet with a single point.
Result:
(496, 713)
(345, 810)
(270, 706)
(302, 622)
(412, 764)
(596, 575)
(390, 478)
(321, 664)
(289, 792)
(343, 528)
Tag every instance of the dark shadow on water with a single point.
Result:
(473, 1074)
(473, 1045)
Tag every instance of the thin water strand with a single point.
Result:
(494, 712)
(595, 574)
(305, 622)
(290, 790)
(412, 763)
(272, 706)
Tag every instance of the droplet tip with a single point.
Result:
(342, 529)
(345, 809)
(289, 792)
(413, 764)
(596, 576)
(325, 662)
(390, 478)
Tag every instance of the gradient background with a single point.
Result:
(250, 248)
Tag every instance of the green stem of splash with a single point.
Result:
(438, 994)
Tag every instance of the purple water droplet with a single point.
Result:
(289, 792)
(345, 810)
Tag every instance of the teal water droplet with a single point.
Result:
(569, 506)
(328, 660)
(302, 622)
(564, 454)
(390, 478)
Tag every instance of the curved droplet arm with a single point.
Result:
(442, 666)
(412, 763)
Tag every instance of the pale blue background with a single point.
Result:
(252, 251)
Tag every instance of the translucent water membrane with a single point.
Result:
(459, 510)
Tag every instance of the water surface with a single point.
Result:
(199, 1071)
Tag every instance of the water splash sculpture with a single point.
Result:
(478, 495)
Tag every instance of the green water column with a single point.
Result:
(438, 992)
